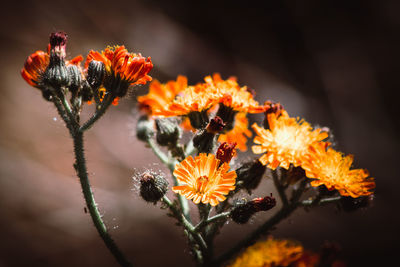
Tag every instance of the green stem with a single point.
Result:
(170, 163)
(98, 113)
(313, 202)
(80, 166)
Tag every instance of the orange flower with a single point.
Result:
(160, 95)
(204, 179)
(36, 65)
(198, 98)
(268, 253)
(238, 133)
(34, 68)
(232, 95)
(122, 66)
(286, 142)
(332, 169)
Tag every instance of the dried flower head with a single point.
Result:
(332, 169)
(226, 151)
(203, 179)
(268, 253)
(286, 142)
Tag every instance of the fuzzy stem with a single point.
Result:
(80, 166)
(98, 113)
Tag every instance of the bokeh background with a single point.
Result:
(334, 63)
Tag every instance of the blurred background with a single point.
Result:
(334, 63)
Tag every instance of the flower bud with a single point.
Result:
(198, 120)
(144, 128)
(95, 74)
(56, 73)
(243, 209)
(204, 141)
(152, 186)
(86, 92)
(226, 151)
(75, 78)
(168, 131)
(249, 174)
(227, 114)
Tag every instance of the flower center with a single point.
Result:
(201, 183)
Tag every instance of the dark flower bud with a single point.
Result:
(264, 203)
(86, 92)
(144, 128)
(215, 125)
(58, 40)
(249, 174)
(226, 151)
(227, 114)
(349, 204)
(204, 141)
(95, 74)
(152, 186)
(75, 78)
(198, 120)
(242, 212)
(168, 131)
(243, 209)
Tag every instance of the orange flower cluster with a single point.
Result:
(289, 141)
(204, 179)
(269, 253)
(203, 96)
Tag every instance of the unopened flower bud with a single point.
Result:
(95, 73)
(227, 114)
(152, 186)
(86, 92)
(226, 151)
(243, 209)
(198, 120)
(56, 73)
(75, 78)
(264, 203)
(204, 141)
(249, 174)
(242, 212)
(215, 125)
(144, 128)
(168, 131)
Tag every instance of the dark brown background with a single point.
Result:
(335, 63)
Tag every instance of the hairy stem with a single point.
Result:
(80, 166)
(108, 99)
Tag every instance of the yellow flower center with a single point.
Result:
(201, 183)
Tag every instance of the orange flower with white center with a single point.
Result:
(332, 169)
(204, 179)
(122, 68)
(160, 95)
(286, 142)
(232, 95)
(239, 133)
(268, 253)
